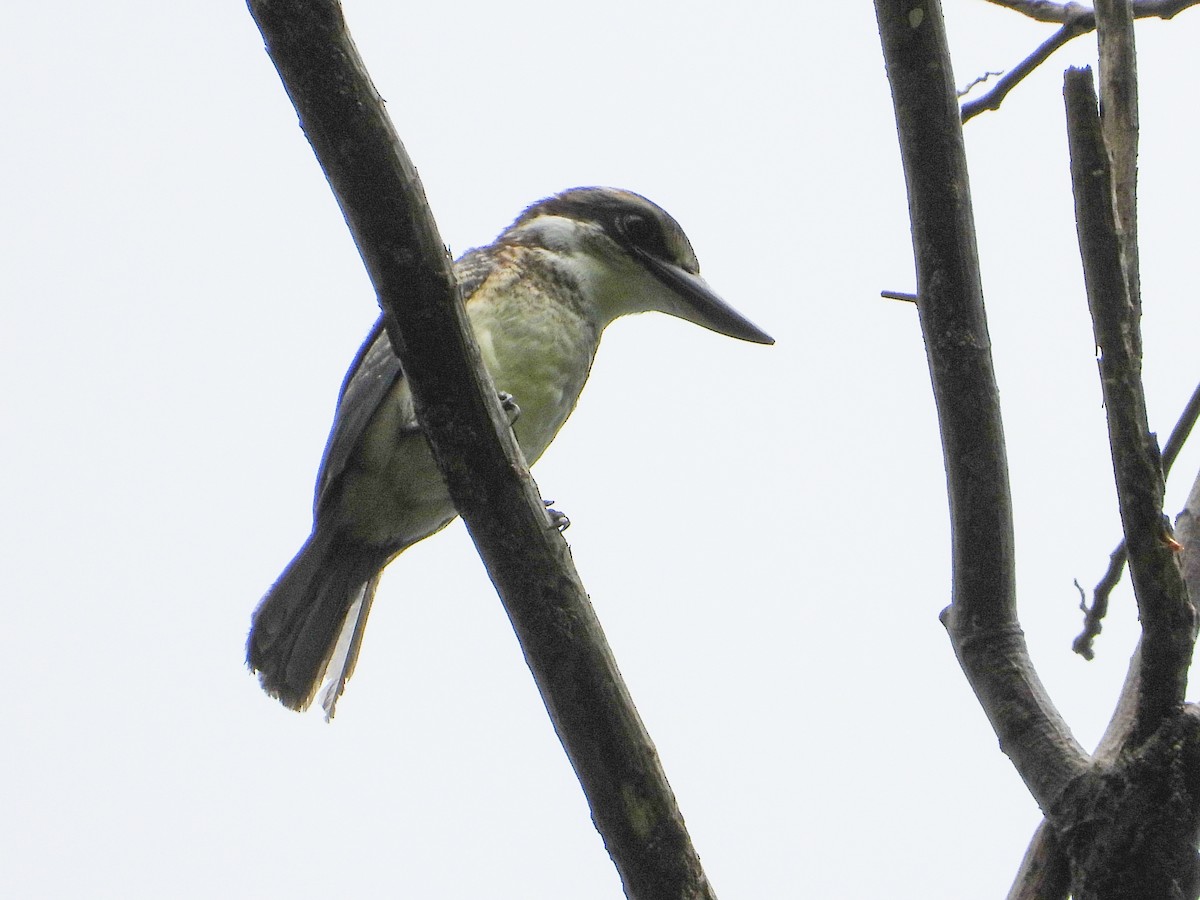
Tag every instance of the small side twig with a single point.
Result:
(978, 79)
(1093, 616)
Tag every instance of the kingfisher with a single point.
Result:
(537, 298)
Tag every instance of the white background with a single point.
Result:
(763, 530)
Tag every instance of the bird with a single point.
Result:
(537, 300)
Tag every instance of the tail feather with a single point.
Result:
(296, 629)
(345, 654)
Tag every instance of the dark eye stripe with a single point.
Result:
(632, 224)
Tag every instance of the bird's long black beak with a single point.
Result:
(698, 302)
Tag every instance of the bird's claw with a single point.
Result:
(509, 405)
(558, 520)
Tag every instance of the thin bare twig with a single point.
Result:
(1076, 20)
(1093, 618)
(1081, 23)
(977, 80)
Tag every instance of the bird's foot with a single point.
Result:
(558, 519)
(509, 405)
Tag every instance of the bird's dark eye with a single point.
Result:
(636, 228)
(642, 232)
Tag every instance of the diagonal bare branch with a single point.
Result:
(1094, 614)
(377, 187)
(1167, 618)
(1078, 25)
(981, 619)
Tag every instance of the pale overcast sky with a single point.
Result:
(763, 530)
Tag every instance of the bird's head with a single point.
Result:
(630, 255)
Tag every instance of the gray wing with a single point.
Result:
(371, 376)
(374, 372)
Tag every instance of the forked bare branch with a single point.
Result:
(1076, 20)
